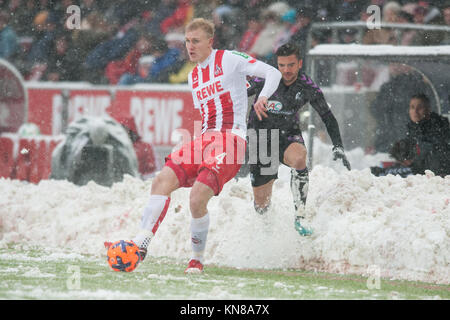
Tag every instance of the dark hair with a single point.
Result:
(424, 98)
(288, 49)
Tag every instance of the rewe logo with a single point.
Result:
(209, 90)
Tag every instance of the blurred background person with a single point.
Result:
(430, 132)
(390, 107)
(8, 37)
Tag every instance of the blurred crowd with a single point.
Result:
(142, 41)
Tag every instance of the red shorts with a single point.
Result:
(221, 153)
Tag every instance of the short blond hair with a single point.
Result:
(201, 23)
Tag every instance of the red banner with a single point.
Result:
(157, 111)
(27, 158)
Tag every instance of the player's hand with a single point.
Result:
(338, 153)
(261, 108)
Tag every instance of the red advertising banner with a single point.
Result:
(158, 110)
(27, 158)
(157, 114)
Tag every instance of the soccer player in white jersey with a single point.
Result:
(218, 84)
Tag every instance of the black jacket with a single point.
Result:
(432, 138)
(390, 108)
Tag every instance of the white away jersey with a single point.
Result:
(219, 89)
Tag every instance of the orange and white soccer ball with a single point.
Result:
(123, 255)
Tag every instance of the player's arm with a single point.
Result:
(253, 67)
(272, 78)
(319, 103)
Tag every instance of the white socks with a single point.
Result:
(199, 234)
(153, 215)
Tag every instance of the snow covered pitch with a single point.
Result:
(364, 226)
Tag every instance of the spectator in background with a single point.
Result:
(115, 69)
(180, 71)
(22, 13)
(390, 14)
(110, 50)
(226, 35)
(89, 6)
(122, 11)
(288, 20)
(424, 13)
(204, 8)
(349, 10)
(95, 29)
(254, 27)
(389, 109)
(264, 45)
(164, 9)
(63, 62)
(181, 76)
(183, 13)
(164, 60)
(426, 146)
(8, 38)
(407, 36)
(301, 27)
(430, 132)
(46, 23)
(420, 12)
(446, 17)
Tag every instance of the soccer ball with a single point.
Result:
(123, 256)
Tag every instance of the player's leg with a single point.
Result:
(198, 202)
(295, 157)
(222, 159)
(263, 175)
(154, 212)
(262, 197)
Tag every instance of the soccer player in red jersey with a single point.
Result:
(219, 90)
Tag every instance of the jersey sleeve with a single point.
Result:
(318, 102)
(252, 67)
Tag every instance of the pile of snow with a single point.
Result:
(398, 226)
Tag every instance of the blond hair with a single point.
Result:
(201, 23)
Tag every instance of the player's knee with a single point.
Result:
(198, 203)
(295, 157)
(164, 183)
(199, 197)
(299, 162)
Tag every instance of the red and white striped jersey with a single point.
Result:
(219, 89)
